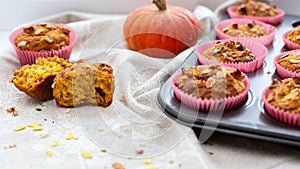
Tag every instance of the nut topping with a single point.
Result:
(38, 31)
(21, 44)
(49, 39)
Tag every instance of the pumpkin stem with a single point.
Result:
(161, 4)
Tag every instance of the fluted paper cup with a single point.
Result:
(29, 57)
(274, 20)
(265, 40)
(259, 51)
(289, 44)
(205, 104)
(284, 72)
(280, 114)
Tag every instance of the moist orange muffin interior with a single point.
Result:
(211, 81)
(42, 37)
(245, 30)
(256, 8)
(285, 94)
(84, 83)
(294, 35)
(290, 61)
(229, 51)
(31, 78)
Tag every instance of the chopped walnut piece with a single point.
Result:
(12, 110)
(12, 146)
(140, 151)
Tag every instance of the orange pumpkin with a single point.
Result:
(161, 31)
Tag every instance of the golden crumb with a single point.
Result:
(19, 128)
(147, 160)
(37, 128)
(33, 124)
(118, 166)
(55, 143)
(87, 154)
(150, 166)
(49, 152)
(44, 134)
(122, 98)
(143, 144)
(70, 135)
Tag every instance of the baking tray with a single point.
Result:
(248, 120)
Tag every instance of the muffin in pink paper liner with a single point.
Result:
(43, 40)
(272, 19)
(211, 87)
(242, 54)
(287, 64)
(282, 100)
(291, 38)
(246, 29)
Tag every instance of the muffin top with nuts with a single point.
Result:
(245, 30)
(257, 9)
(294, 35)
(285, 94)
(290, 61)
(229, 51)
(211, 81)
(42, 37)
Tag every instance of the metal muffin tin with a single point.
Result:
(250, 119)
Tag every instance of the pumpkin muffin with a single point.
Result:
(245, 30)
(43, 40)
(285, 94)
(211, 81)
(229, 51)
(294, 35)
(256, 8)
(209, 87)
(43, 37)
(36, 79)
(290, 61)
(84, 83)
(282, 100)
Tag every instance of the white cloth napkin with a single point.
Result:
(131, 125)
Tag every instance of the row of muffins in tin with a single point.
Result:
(225, 85)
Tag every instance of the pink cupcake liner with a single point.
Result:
(283, 72)
(210, 104)
(280, 114)
(29, 57)
(258, 49)
(274, 20)
(265, 40)
(289, 44)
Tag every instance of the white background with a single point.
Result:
(16, 12)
